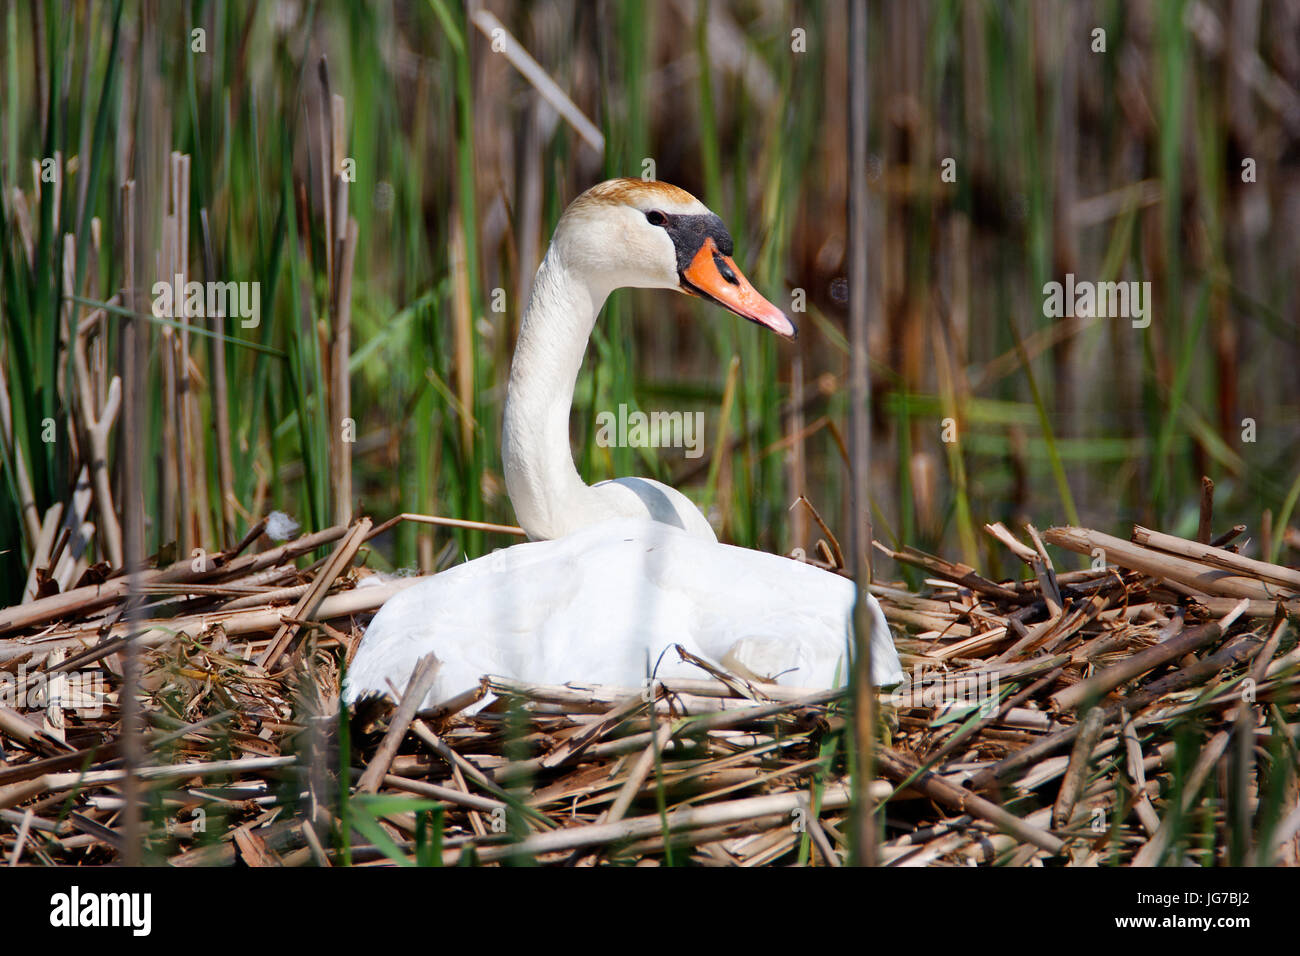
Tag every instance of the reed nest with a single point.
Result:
(1140, 712)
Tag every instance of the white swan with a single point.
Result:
(622, 570)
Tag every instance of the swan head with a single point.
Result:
(652, 235)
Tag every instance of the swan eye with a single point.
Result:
(656, 218)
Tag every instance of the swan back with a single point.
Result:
(606, 605)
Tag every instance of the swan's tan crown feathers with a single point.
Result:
(637, 193)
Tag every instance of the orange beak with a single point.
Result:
(716, 277)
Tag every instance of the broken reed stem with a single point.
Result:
(41, 552)
(637, 775)
(1126, 554)
(962, 574)
(97, 421)
(775, 808)
(422, 678)
(1218, 557)
(837, 554)
(311, 600)
(449, 523)
(541, 81)
(1076, 772)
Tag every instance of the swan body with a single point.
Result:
(606, 604)
(620, 570)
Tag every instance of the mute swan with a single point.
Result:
(622, 570)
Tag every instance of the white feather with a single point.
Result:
(601, 606)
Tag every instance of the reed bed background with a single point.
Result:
(388, 175)
(1121, 165)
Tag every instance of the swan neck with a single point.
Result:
(549, 497)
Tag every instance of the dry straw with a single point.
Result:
(1092, 679)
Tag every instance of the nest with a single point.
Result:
(1142, 710)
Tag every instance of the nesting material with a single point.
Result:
(1142, 710)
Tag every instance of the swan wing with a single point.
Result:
(605, 605)
(657, 501)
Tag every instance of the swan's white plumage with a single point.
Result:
(621, 570)
(600, 605)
